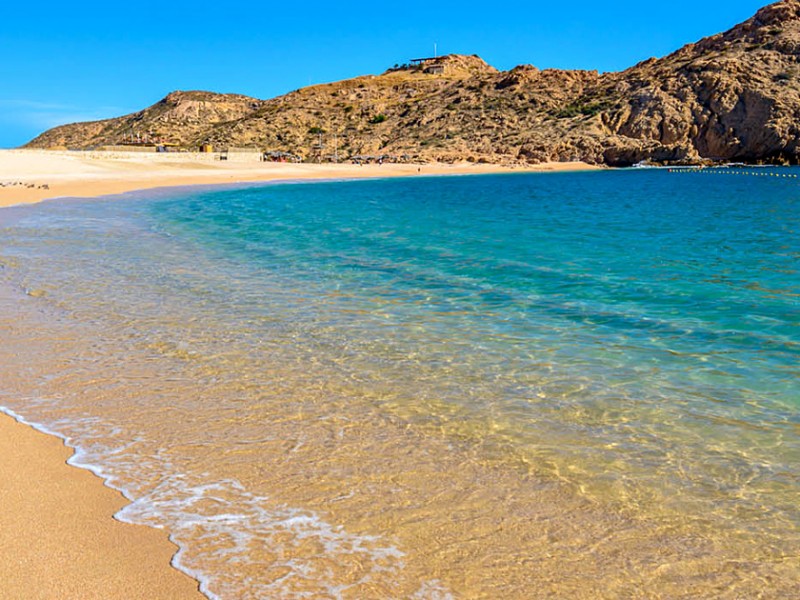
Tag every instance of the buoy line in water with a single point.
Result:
(717, 171)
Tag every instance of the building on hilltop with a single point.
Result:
(432, 65)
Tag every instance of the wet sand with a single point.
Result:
(57, 535)
(28, 176)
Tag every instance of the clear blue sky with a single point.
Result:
(77, 60)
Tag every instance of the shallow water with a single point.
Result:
(564, 385)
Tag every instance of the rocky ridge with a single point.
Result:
(734, 96)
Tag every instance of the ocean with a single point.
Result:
(569, 385)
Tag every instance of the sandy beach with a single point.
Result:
(57, 532)
(57, 535)
(323, 394)
(28, 176)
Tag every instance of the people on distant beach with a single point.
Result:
(41, 186)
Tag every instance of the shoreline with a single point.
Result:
(58, 534)
(32, 176)
(315, 485)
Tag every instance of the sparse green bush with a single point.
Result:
(316, 130)
(585, 109)
(377, 119)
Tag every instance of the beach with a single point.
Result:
(57, 535)
(34, 175)
(435, 387)
(59, 539)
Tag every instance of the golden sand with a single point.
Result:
(33, 175)
(58, 538)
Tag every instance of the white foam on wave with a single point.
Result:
(207, 513)
(198, 515)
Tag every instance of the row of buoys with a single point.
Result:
(734, 172)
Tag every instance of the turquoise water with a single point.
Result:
(630, 338)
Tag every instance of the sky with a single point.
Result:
(62, 62)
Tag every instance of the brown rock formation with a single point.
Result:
(732, 96)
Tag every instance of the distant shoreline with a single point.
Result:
(30, 176)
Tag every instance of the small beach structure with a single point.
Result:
(282, 157)
(361, 159)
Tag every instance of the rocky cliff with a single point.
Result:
(732, 96)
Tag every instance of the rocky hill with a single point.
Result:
(732, 96)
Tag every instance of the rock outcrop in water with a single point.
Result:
(734, 96)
